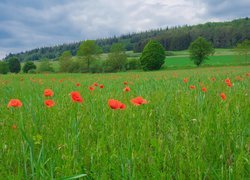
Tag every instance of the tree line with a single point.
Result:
(220, 34)
(88, 60)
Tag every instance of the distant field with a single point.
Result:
(177, 62)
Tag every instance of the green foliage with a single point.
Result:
(28, 66)
(65, 61)
(88, 50)
(117, 59)
(45, 66)
(4, 67)
(153, 56)
(133, 63)
(14, 65)
(199, 50)
(243, 49)
(32, 71)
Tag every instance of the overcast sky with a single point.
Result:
(28, 24)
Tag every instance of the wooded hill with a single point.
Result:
(220, 34)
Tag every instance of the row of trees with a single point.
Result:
(88, 58)
(220, 34)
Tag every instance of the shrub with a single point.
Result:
(133, 63)
(28, 66)
(153, 56)
(14, 65)
(4, 68)
(45, 66)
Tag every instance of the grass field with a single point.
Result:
(180, 133)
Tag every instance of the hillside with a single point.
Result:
(221, 34)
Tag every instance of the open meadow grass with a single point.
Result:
(192, 124)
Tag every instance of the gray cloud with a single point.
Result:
(28, 24)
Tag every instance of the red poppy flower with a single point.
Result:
(223, 96)
(138, 101)
(185, 80)
(14, 103)
(248, 74)
(91, 88)
(192, 87)
(95, 84)
(227, 80)
(125, 83)
(126, 89)
(115, 104)
(76, 97)
(49, 103)
(14, 126)
(213, 78)
(204, 89)
(101, 86)
(48, 93)
(229, 84)
(78, 84)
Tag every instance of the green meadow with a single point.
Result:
(181, 133)
(181, 60)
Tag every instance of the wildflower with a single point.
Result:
(126, 89)
(76, 97)
(78, 84)
(95, 84)
(115, 104)
(101, 86)
(204, 89)
(48, 93)
(223, 96)
(229, 84)
(138, 101)
(49, 103)
(13, 126)
(213, 78)
(91, 88)
(125, 83)
(185, 80)
(227, 80)
(192, 87)
(14, 103)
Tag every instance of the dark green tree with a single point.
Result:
(88, 52)
(117, 59)
(4, 68)
(153, 56)
(14, 65)
(28, 66)
(199, 50)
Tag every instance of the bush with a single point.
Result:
(74, 67)
(14, 65)
(133, 63)
(4, 68)
(32, 71)
(45, 66)
(28, 66)
(153, 56)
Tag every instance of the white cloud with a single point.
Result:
(38, 23)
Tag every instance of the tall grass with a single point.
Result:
(180, 134)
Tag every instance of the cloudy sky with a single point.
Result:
(28, 24)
